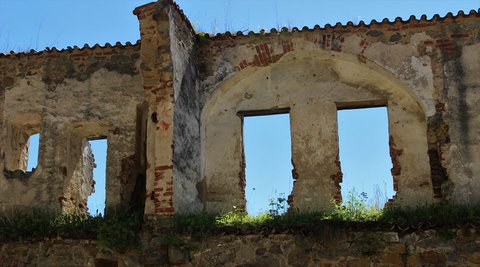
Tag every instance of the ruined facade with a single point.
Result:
(172, 105)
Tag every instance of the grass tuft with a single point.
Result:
(117, 232)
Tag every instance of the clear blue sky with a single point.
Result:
(96, 201)
(34, 24)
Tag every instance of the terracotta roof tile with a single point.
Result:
(69, 49)
(349, 25)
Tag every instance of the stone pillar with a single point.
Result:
(157, 82)
(314, 155)
(50, 177)
(225, 186)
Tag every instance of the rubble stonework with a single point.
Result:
(171, 107)
(424, 248)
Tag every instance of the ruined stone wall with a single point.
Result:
(172, 111)
(171, 86)
(457, 247)
(177, 133)
(62, 252)
(82, 184)
(157, 73)
(422, 71)
(69, 97)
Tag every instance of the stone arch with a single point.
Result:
(313, 88)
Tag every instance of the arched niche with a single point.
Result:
(312, 87)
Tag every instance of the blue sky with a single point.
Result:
(33, 24)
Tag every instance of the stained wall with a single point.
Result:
(176, 139)
(69, 97)
(420, 70)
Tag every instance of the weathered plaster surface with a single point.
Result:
(172, 109)
(412, 67)
(313, 89)
(68, 98)
(186, 130)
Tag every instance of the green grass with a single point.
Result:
(117, 232)
(447, 215)
(120, 232)
(348, 215)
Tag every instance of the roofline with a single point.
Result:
(70, 49)
(349, 25)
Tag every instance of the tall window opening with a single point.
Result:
(32, 147)
(364, 155)
(267, 147)
(96, 201)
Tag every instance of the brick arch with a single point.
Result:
(312, 87)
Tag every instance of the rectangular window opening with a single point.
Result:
(365, 156)
(268, 170)
(32, 152)
(96, 201)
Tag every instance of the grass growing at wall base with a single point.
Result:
(120, 232)
(437, 216)
(117, 232)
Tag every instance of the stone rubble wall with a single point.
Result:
(428, 248)
(330, 248)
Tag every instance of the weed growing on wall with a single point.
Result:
(352, 213)
(278, 205)
(120, 232)
(355, 209)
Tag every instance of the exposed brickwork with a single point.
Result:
(396, 168)
(337, 179)
(428, 43)
(290, 196)
(242, 181)
(421, 69)
(265, 55)
(438, 137)
(158, 87)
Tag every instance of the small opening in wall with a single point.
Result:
(96, 201)
(268, 162)
(364, 155)
(32, 147)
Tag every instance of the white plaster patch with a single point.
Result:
(471, 64)
(422, 81)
